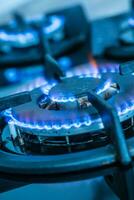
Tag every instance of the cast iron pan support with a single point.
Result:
(51, 67)
(122, 181)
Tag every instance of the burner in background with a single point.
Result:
(119, 43)
(22, 36)
(72, 41)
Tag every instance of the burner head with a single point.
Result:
(71, 87)
(64, 118)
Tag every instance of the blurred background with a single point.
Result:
(94, 9)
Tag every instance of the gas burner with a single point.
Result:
(22, 42)
(119, 43)
(69, 131)
(18, 39)
(28, 36)
(61, 116)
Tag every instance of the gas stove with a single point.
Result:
(67, 115)
(62, 110)
(74, 129)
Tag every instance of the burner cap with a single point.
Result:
(71, 87)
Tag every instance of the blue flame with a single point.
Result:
(56, 23)
(125, 108)
(12, 75)
(89, 71)
(85, 121)
(21, 38)
(38, 82)
(131, 21)
(65, 99)
(37, 126)
(65, 63)
(30, 36)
